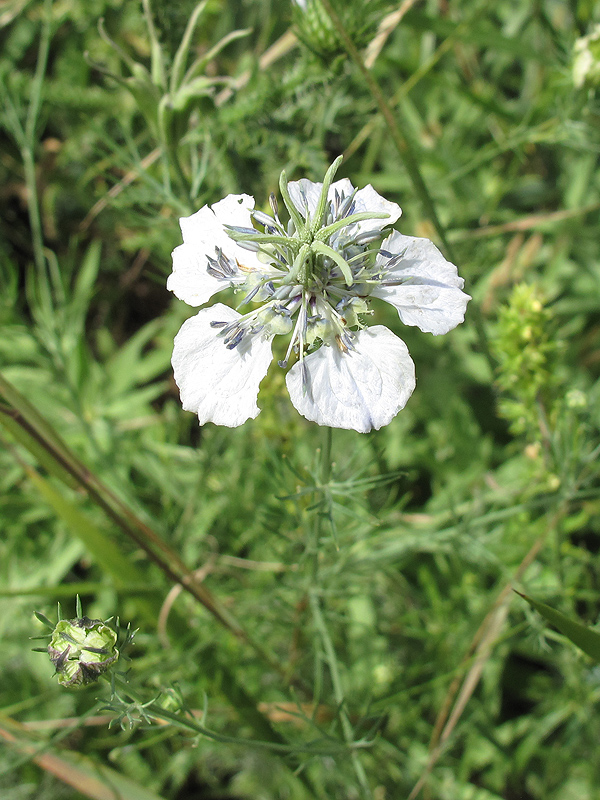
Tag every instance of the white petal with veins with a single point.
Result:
(204, 233)
(306, 193)
(361, 389)
(423, 287)
(367, 199)
(218, 384)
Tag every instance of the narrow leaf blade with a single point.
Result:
(585, 638)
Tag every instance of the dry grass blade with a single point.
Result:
(278, 49)
(386, 26)
(116, 190)
(524, 223)
(86, 776)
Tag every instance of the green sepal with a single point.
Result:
(131, 63)
(182, 99)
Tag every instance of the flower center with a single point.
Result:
(316, 273)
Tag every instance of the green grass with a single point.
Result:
(346, 631)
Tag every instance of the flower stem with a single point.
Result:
(314, 596)
(402, 142)
(338, 692)
(326, 456)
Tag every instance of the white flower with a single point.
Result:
(311, 280)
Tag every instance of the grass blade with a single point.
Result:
(585, 638)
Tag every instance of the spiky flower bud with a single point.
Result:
(82, 650)
(316, 30)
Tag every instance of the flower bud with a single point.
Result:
(586, 59)
(316, 30)
(82, 650)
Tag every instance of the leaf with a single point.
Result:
(585, 638)
(126, 368)
(104, 551)
(84, 286)
(36, 426)
(184, 48)
(12, 420)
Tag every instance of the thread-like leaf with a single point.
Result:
(585, 638)
(101, 548)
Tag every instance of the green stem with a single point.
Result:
(28, 143)
(186, 722)
(272, 740)
(326, 457)
(315, 605)
(33, 209)
(402, 142)
(323, 481)
(35, 97)
(338, 691)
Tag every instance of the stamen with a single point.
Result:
(232, 340)
(393, 258)
(344, 342)
(367, 236)
(220, 267)
(307, 215)
(274, 207)
(347, 207)
(254, 247)
(240, 229)
(250, 295)
(295, 336)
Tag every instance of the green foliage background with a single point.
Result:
(399, 562)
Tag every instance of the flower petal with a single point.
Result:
(423, 287)
(361, 389)
(203, 235)
(218, 384)
(367, 199)
(305, 194)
